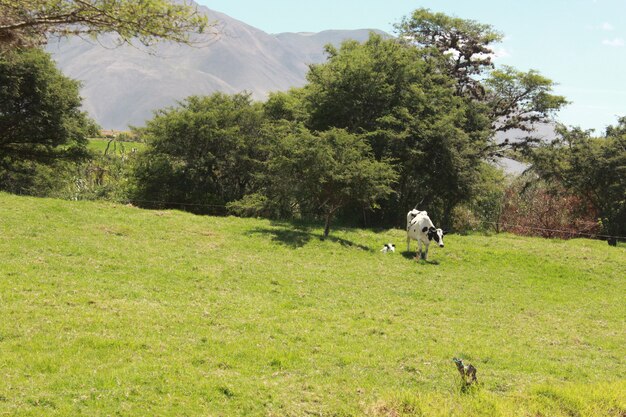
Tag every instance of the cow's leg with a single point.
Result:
(426, 251)
(418, 251)
(408, 241)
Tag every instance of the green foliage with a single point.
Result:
(29, 22)
(463, 46)
(321, 173)
(409, 114)
(106, 308)
(510, 99)
(106, 175)
(253, 205)
(484, 209)
(488, 196)
(377, 84)
(286, 106)
(592, 168)
(41, 123)
(518, 100)
(202, 153)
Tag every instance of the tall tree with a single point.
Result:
(40, 117)
(29, 22)
(519, 100)
(463, 45)
(408, 112)
(513, 100)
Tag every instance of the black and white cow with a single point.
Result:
(421, 228)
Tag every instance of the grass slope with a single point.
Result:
(115, 147)
(111, 310)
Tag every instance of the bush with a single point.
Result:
(200, 155)
(537, 208)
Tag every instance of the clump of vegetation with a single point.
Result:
(42, 129)
(427, 128)
(593, 169)
(534, 207)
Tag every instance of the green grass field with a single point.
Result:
(116, 147)
(109, 310)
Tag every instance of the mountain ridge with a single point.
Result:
(123, 86)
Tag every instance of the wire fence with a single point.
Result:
(504, 226)
(221, 209)
(497, 225)
(167, 204)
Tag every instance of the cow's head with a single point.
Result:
(436, 235)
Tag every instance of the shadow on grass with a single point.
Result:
(411, 256)
(345, 242)
(296, 236)
(287, 237)
(467, 388)
(408, 254)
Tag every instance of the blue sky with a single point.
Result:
(580, 44)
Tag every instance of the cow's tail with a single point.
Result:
(421, 201)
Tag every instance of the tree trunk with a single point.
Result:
(327, 226)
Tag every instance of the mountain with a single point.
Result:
(123, 86)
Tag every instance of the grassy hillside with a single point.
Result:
(115, 147)
(111, 310)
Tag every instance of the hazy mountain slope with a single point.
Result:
(310, 46)
(123, 86)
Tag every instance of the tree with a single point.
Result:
(30, 22)
(323, 172)
(519, 100)
(408, 112)
(618, 130)
(40, 118)
(202, 153)
(511, 99)
(485, 206)
(593, 168)
(463, 45)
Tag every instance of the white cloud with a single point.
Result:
(607, 26)
(616, 42)
(501, 53)
(496, 54)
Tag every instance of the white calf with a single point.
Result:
(421, 228)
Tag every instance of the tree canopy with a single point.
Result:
(511, 99)
(320, 173)
(408, 112)
(593, 168)
(203, 152)
(40, 117)
(30, 22)
(463, 45)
